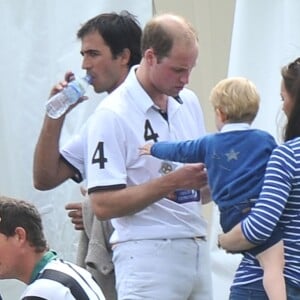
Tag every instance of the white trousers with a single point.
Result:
(177, 269)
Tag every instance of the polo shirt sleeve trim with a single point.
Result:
(104, 188)
(77, 177)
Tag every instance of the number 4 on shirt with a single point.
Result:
(149, 133)
(98, 156)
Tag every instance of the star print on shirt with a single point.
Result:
(232, 155)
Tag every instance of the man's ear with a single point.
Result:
(125, 56)
(20, 235)
(150, 56)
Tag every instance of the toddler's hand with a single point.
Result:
(146, 149)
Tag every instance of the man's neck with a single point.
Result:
(121, 79)
(41, 260)
(29, 261)
(159, 99)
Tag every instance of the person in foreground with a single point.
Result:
(278, 203)
(159, 246)
(110, 46)
(235, 169)
(25, 255)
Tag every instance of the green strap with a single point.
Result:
(47, 257)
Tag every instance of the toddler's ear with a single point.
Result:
(221, 115)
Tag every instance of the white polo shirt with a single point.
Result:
(109, 157)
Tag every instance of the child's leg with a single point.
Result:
(272, 262)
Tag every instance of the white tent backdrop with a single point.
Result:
(265, 37)
(38, 45)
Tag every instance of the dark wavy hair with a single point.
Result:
(18, 213)
(119, 31)
(291, 80)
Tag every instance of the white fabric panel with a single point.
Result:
(38, 45)
(265, 37)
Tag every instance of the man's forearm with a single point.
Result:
(47, 163)
(111, 204)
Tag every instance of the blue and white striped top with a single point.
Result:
(279, 201)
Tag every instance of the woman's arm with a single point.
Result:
(234, 240)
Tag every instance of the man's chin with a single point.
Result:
(177, 91)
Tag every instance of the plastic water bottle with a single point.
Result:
(57, 105)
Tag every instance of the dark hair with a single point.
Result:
(18, 213)
(291, 80)
(119, 31)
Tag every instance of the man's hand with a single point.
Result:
(69, 76)
(75, 213)
(192, 176)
